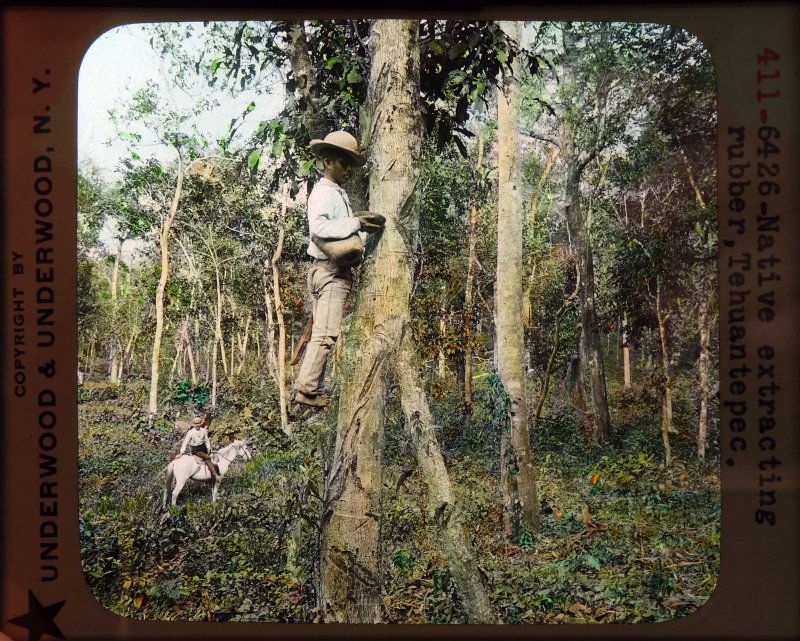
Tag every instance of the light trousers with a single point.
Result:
(329, 286)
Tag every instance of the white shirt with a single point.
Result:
(195, 437)
(329, 215)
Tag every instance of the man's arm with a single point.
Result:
(207, 442)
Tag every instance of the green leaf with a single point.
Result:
(306, 168)
(592, 561)
(457, 50)
(253, 158)
(277, 147)
(353, 77)
(457, 77)
(477, 92)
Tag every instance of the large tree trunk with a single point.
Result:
(350, 574)
(442, 508)
(591, 343)
(351, 553)
(510, 337)
(506, 481)
(166, 227)
(303, 73)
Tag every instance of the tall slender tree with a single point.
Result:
(351, 553)
(509, 324)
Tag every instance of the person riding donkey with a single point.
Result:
(197, 441)
(331, 220)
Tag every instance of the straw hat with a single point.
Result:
(340, 141)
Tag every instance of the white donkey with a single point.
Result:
(187, 467)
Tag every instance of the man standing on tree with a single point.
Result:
(330, 218)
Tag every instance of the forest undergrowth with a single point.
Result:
(622, 538)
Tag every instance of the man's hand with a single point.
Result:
(370, 222)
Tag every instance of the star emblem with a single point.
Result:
(39, 619)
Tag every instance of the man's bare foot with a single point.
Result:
(317, 400)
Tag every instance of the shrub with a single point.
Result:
(634, 408)
(99, 391)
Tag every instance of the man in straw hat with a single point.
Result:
(330, 218)
(196, 440)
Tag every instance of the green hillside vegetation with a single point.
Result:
(649, 552)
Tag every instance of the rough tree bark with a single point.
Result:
(442, 508)
(510, 333)
(591, 344)
(350, 573)
(350, 578)
(303, 72)
(166, 228)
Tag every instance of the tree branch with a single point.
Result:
(354, 24)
